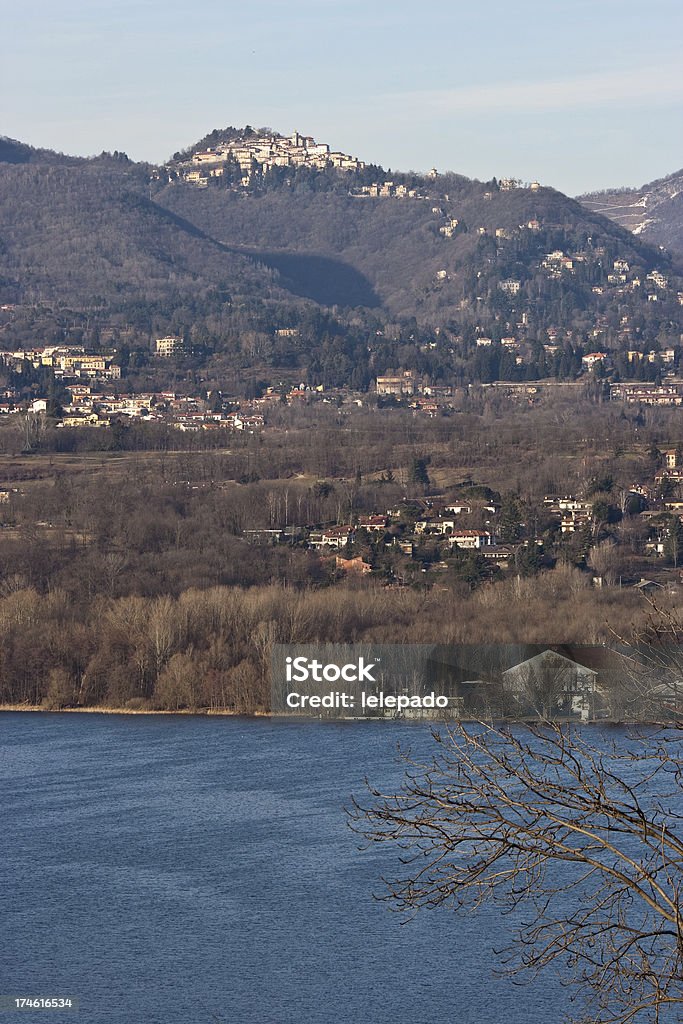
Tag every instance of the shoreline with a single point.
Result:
(225, 713)
(204, 713)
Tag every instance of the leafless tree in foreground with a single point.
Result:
(585, 843)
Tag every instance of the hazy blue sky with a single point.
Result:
(579, 94)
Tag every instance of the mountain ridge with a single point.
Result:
(653, 211)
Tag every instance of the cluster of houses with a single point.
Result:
(181, 412)
(94, 408)
(638, 393)
(430, 529)
(665, 357)
(264, 149)
(558, 263)
(451, 227)
(407, 383)
(575, 514)
(65, 361)
(424, 396)
(401, 528)
(387, 190)
(669, 393)
(621, 276)
(572, 513)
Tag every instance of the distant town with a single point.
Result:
(87, 379)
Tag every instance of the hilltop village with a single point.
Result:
(250, 151)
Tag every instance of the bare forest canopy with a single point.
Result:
(132, 577)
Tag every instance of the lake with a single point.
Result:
(197, 869)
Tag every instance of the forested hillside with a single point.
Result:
(398, 247)
(426, 267)
(88, 235)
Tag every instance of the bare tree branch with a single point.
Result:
(587, 837)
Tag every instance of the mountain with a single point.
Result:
(654, 211)
(248, 232)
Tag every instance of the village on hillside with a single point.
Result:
(263, 150)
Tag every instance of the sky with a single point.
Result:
(577, 94)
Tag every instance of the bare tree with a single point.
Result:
(606, 559)
(584, 842)
(32, 428)
(651, 685)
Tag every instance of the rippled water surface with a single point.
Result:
(178, 869)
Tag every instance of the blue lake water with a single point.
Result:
(200, 870)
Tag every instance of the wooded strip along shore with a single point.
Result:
(211, 649)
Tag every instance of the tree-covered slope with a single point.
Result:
(88, 235)
(398, 245)
(108, 234)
